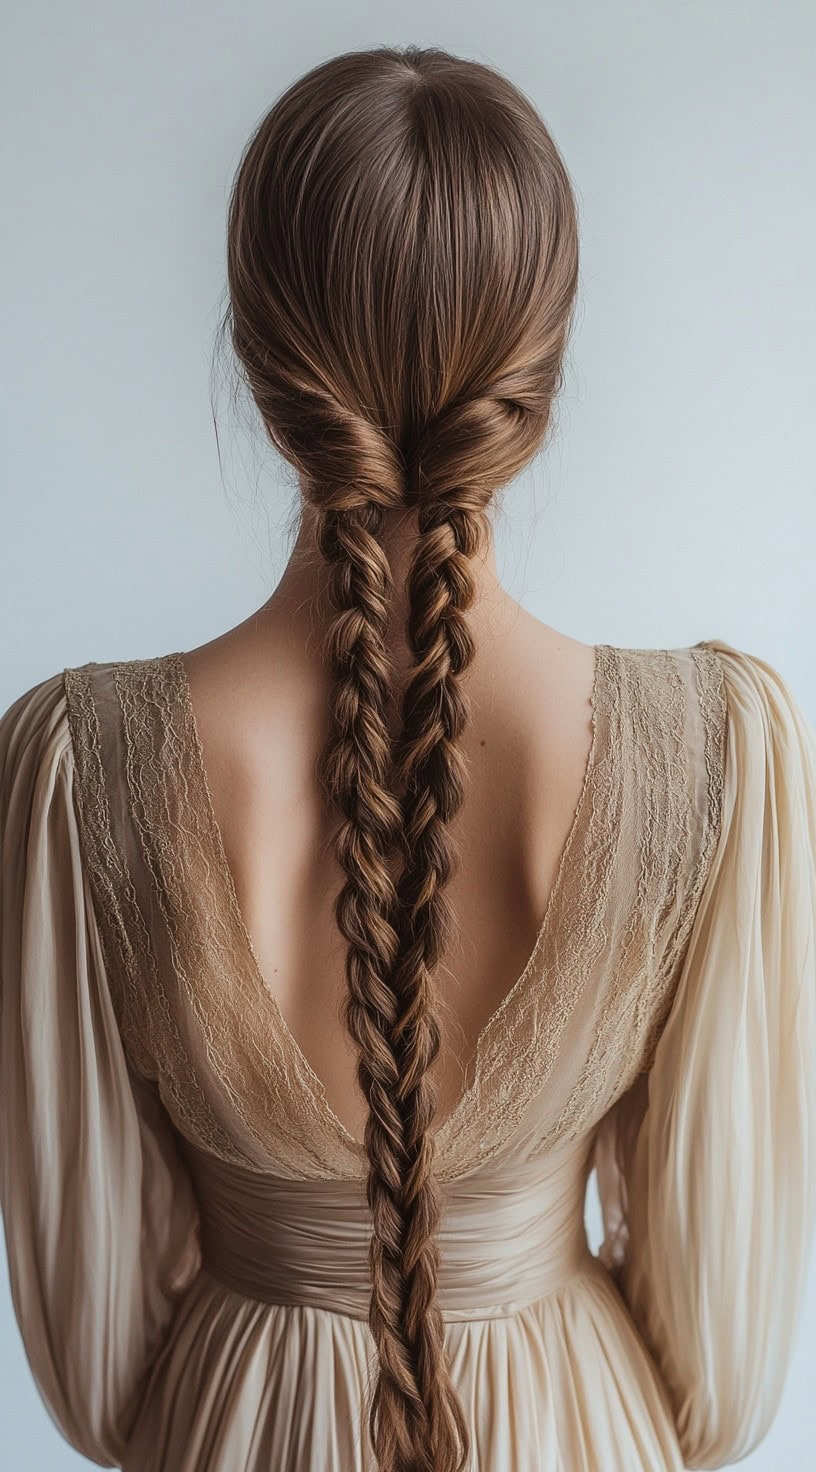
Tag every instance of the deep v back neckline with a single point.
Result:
(605, 680)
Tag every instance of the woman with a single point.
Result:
(302, 1080)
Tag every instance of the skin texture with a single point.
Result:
(260, 695)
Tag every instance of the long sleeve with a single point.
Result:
(706, 1167)
(99, 1216)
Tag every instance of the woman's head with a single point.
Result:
(402, 262)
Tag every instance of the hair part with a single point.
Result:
(402, 267)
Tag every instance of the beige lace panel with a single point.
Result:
(271, 1104)
(113, 897)
(712, 705)
(144, 1016)
(673, 738)
(521, 1049)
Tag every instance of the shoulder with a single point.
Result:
(732, 688)
(670, 740)
(34, 735)
(56, 720)
(98, 694)
(653, 670)
(747, 733)
(761, 702)
(771, 741)
(673, 697)
(725, 681)
(742, 665)
(36, 769)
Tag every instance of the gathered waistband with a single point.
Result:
(508, 1235)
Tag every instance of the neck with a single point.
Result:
(303, 589)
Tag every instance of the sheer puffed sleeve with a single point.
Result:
(706, 1167)
(99, 1217)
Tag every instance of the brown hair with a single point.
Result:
(402, 267)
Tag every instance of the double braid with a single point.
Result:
(431, 772)
(357, 772)
(399, 802)
(392, 805)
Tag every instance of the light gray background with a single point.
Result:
(677, 499)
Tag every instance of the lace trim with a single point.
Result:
(147, 1026)
(521, 1047)
(714, 710)
(102, 860)
(674, 861)
(651, 734)
(276, 1099)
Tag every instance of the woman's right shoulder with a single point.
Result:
(760, 697)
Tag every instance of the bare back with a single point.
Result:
(259, 695)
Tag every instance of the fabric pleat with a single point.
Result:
(564, 1383)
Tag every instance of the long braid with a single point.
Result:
(356, 771)
(396, 933)
(432, 772)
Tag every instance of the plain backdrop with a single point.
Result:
(141, 511)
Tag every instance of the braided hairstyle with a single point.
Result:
(402, 265)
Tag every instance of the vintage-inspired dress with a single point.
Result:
(184, 1213)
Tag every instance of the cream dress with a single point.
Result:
(184, 1213)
